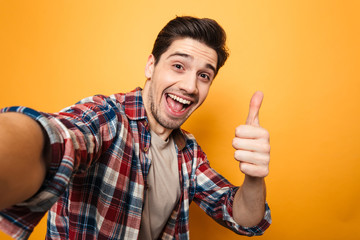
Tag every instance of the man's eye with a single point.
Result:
(203, 75)
(178, 66)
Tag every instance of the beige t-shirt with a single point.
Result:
(163, 190)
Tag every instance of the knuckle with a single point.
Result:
(265, 172)
(262, 159)
(266, 160)
(262, 172)
(262, 146)
(259, 157)
(266, 134)
(266, 148)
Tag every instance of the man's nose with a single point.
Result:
(188, 83)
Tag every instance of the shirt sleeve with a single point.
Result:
(215, 195)
(77, 135)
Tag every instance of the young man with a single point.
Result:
(120, 167)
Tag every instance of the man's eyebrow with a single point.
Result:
(211, 67)
(180, 54)
(208, 65)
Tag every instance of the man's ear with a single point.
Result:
(150, 65)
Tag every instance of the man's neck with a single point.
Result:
(162, 132)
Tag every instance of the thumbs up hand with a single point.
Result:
(251, 142)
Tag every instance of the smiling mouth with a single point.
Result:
(177, 104)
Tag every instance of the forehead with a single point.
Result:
(194, 48)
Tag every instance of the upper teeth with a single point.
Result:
(183, 101)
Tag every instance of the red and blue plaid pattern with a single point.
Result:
(96, 180)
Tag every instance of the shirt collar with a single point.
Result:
(134, 105)
(135, 110)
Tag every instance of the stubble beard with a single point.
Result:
(166, 123)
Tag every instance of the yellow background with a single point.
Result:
(304, 56)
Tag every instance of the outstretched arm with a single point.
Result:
(252, 150)
(22, 159)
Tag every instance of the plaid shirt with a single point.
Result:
(96, 180)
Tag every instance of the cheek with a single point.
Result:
(203, 92)
(164, 79)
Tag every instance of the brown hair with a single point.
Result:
(205, 30)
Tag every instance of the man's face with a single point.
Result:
(179, 83)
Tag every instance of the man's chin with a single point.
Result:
(168, 121)
(171, 124)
